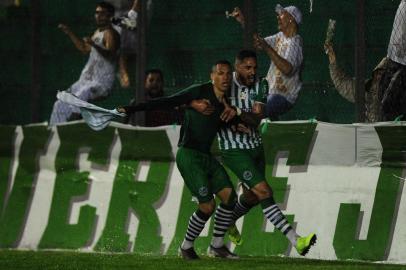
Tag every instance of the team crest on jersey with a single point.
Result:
(243, 95)
(247, 175)
(203, 191)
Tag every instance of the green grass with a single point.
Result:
(102, 261)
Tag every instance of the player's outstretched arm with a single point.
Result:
(164, 103)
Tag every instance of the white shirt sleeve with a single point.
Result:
(271, 40)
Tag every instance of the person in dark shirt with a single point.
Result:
(201, 172)
(154, 88)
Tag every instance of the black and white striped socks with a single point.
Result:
(195, 227)
(222, 220)
(276, 217)
(241, 208)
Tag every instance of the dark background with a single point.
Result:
(183, 38)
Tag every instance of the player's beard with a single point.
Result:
(249, 80)
(155, 92)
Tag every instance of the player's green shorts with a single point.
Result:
(247, 164)
(202, 173)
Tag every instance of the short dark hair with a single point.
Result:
(245, 54)
(107, 6)
(154, 71)
(221, 62)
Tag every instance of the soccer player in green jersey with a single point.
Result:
(202, 174)
(242, 152)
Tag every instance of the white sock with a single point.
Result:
(292, 236)
(186, 244)
(217, 241)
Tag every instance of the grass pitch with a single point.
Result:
(44, 260)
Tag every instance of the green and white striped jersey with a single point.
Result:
(242, 97)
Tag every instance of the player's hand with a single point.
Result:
(328, 47)
(228, 114)
(202, 106)
(259, 42)
(240, 128)
(238, 15)
(243, 128)
(64, 28)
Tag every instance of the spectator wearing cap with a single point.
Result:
(285, 52)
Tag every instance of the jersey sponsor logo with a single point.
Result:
(247, 175)
(203, 191)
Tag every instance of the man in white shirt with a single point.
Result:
(285, 52)
(97, 77)
(392, 91)
(397, 43)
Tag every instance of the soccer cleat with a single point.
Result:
(222, 252)
(189, 254)
(234, 235)
(303, 244)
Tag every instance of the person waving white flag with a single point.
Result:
(96, 117)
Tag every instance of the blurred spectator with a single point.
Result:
(397, 43)
(346, 86)
(98, 75)
(392, 89)
(154, 88)
(385, 92)
(125, 22)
